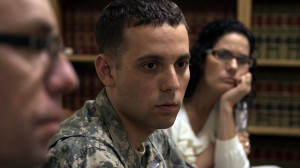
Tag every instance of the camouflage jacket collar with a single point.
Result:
(111, 120)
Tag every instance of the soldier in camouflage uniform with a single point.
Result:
(143, 63)
(93, 139)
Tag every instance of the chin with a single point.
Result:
(167, 124)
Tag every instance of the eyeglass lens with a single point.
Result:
(227, 56)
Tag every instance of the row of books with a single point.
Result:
(277, 43)
(285, 46)
(79, 22)
(276, 28)
(274, 15)
(282, 87)
(196, 20)
(276, 109)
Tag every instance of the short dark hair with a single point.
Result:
(206, 40)
(121, 14)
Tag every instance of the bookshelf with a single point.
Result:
(279, 63)
(244, 10)
(56, 8)
(275, 25)
(279, 131)
(276, 111)
(82, 58)
(274, 119)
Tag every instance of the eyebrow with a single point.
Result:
(41, 27)
(158, 57)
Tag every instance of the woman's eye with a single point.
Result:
(223, 54)
(150, 66)
(242, 60)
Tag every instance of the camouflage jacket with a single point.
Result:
(94, 137)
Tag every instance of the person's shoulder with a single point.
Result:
(74, 151)
(81, 116)
(85, 122)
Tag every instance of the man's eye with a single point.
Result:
(182, 64)
(150, 66)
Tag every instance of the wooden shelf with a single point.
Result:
(279, 131)
(56, 7)
(82, 58)
(278, 63)
(244, 9)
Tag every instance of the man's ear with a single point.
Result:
(104, 66)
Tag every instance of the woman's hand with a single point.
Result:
(243, 87)
(226, 128)
(245, 141)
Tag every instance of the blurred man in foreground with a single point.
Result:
(33, 76)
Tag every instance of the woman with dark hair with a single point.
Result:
(221, 76)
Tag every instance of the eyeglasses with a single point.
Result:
(51, 43)
(226, 56)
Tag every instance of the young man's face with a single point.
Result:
(152, 79)
(30, 84)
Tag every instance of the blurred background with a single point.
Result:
(274, 115)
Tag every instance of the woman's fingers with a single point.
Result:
(245, 141)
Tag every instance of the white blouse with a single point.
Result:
(228, 154)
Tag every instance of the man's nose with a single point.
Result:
(62, 77)
(170, 80)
